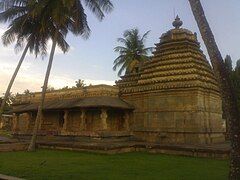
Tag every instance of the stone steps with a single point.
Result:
(220, 151)
(104, 139)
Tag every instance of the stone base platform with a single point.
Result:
(219, 151)
(9, 144)
(10, 147)
(127, 143)
(89, 137)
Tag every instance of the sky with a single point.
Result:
(92, 59)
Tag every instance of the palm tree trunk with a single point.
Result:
(32, 145)
(7, 93)
(228, 93)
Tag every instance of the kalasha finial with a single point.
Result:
(177, 23)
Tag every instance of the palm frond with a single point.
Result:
(145, 35)
(133, 52)
(98, 7)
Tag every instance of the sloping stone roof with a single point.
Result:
(88, 102)
(178, 63)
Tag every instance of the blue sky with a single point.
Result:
(92, 59)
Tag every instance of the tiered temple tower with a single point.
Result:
(176, 95)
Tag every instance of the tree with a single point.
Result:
(228, 63)
(27, 92)
(80, 83)
(238, 66)
(8, 103)
(226, 86)
(15, 13)
(235, 77)
(65, 16)
(24, 28)
(65, 88)
(132, 53)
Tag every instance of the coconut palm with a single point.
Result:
(5, 5)
(80, 83)
(238, 65)
(227, 89)
(67, 16)
(132, 53)
(25, 30)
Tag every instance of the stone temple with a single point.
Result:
(172, 99)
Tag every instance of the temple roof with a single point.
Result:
(72, 93)
(89, 102)
(178, 63)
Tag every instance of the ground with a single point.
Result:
(50, 164)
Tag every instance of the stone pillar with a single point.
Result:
(65, 117)
(126, 118)
(1, 122)
(83, 120)
(104, 117)
(29, 122)
(15, 122)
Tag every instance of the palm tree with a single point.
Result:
(238, 65)
(132, 53)
(27, 92)
(15, 13)
(228, 93)
(9, 102)
(228, 63)
(5, 5)
(23, 28)
(80, 83)
(65, 16)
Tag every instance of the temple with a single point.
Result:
(93, 111)
(172, 99)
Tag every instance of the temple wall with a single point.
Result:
(32, 118)
(50, 121)
(192, 116)
(115, 120)
(93, 120)
(23, 123)
(74, 122)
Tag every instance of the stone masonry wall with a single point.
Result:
(178, 117)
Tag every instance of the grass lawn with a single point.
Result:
(49, 164)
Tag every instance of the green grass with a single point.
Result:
(47, 164)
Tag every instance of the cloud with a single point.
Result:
(31, 74)
(28, 76)
(34, 82)
(96, 82)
